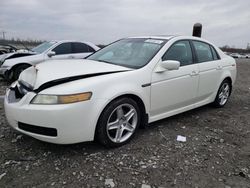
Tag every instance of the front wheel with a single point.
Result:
(118, 122)
(17, 71)
(223, 94)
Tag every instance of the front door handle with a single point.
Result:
(194, 73)
(71, 56)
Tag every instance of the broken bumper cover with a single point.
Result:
(60, 124)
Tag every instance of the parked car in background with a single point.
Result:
(236, 55)
(6, 49)
(16, 54)
(127, 84)
(53, 50)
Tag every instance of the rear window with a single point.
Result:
(203, 51)
(80, 47)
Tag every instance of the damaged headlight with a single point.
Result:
(61, 99)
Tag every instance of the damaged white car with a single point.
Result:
(127, 84)
(14, 64)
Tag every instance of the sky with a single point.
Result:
(225, 22)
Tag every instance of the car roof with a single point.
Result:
(164, 37)
(169, 37)
(67, 41)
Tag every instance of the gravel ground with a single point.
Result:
(216, 154)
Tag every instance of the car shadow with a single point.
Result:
(94, 147)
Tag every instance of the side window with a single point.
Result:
(215, 54)
(91, 49)
(203, 51)
(80, 48)
(64, 48)
(180, 51)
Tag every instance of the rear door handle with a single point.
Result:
(71, 56)
(194, 73)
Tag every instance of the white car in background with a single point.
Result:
(127, 84)
(53, 50)
(236, 55)
(16, 54)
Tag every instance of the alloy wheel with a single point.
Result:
(122, 123)
(224, 93)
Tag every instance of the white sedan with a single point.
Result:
(127, 84)
(14, 64)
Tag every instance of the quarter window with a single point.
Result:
(180, 51)
(64, 48)
(215, 54)
(203, 51)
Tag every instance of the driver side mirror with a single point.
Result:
(167, 65)
(51, 53)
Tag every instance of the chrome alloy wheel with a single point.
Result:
(224, 93)
(122, 123)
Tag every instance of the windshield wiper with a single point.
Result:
(126, 66)
(104, 61)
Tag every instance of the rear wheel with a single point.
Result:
(118, 122)
(223, 94)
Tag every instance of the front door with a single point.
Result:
(175, 89)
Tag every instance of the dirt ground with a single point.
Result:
(216, 154)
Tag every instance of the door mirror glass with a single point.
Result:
(168, 65)
(51, 53)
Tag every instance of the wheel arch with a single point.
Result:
(6, 76)
(19, 64)
(137, 99)
(230, 82)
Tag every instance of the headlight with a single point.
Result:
(61, 99)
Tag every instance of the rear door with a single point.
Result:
(209, 67)
(175, 89)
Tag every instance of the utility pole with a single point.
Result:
(3, 32)
(248, 46)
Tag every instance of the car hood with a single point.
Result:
(32, 57)
(61, 71)
(3, 56)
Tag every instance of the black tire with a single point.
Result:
(103, 135)
(218, 100)
(17, 71)
(9, 76)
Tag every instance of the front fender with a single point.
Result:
(129, 89)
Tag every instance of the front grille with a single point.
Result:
(37, 129)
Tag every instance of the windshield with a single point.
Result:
(42, 47)
(133, 52)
